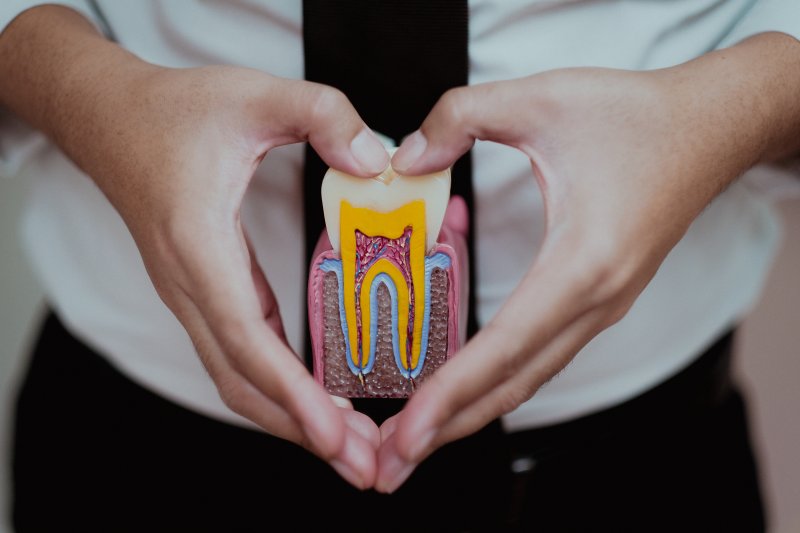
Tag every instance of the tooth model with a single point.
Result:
(385, 299)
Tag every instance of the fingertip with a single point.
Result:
(364, 426)
(348, 473)
(322, 421)
(421, 154)
(357, 463)
(409, 152)
(416, 428)
(369, 152)
(392, 469)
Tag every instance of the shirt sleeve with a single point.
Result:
(765, 15)
(18, 141)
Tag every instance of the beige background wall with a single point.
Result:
(769, 364)
(769, 368)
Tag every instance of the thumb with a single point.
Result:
(325, 118)
(462, 115)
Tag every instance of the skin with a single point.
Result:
(173, 150)
(626, 161)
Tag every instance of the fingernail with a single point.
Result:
(397, 472)
(348, 474)
(422, 444)
(369, 152)
(344, 403)
(409, 152)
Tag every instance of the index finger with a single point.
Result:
(551, 297)
(221, 287)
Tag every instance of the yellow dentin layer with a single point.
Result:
(391, 225)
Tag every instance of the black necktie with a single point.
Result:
(393, 59)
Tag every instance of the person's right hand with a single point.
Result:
(174, 150)
(176, 162)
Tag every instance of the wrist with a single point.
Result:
(58, 72)
(739, 105)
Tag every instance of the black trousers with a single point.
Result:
(95, 452)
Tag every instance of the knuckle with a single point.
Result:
(455, 104)
(617, 308)
(617, 313)
(609, 281)
(174, 232)
(511, 365)
(510, 399)
(230, 393)
(327, 102)
(234, 339)
(165, 288)
(512, 357)
(603, 273)
(174, 243)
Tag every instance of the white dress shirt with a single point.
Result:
(95, 279)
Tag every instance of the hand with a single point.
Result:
(184, 147)
(625, 162)
(174, 151)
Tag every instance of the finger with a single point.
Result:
(236, 392)
(522, 386)
(221, 287)
(488, 111)
(352, 463)
(364, 426)
(356, 464)
(549, 300)
(343, 403)
(393, 470)
(266, 298)
(326, 118)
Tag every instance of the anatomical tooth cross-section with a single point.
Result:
(385, 299)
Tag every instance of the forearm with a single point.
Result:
(57, 71)
(774, 61)
(746, 98)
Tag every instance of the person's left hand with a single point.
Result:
(625, 161)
